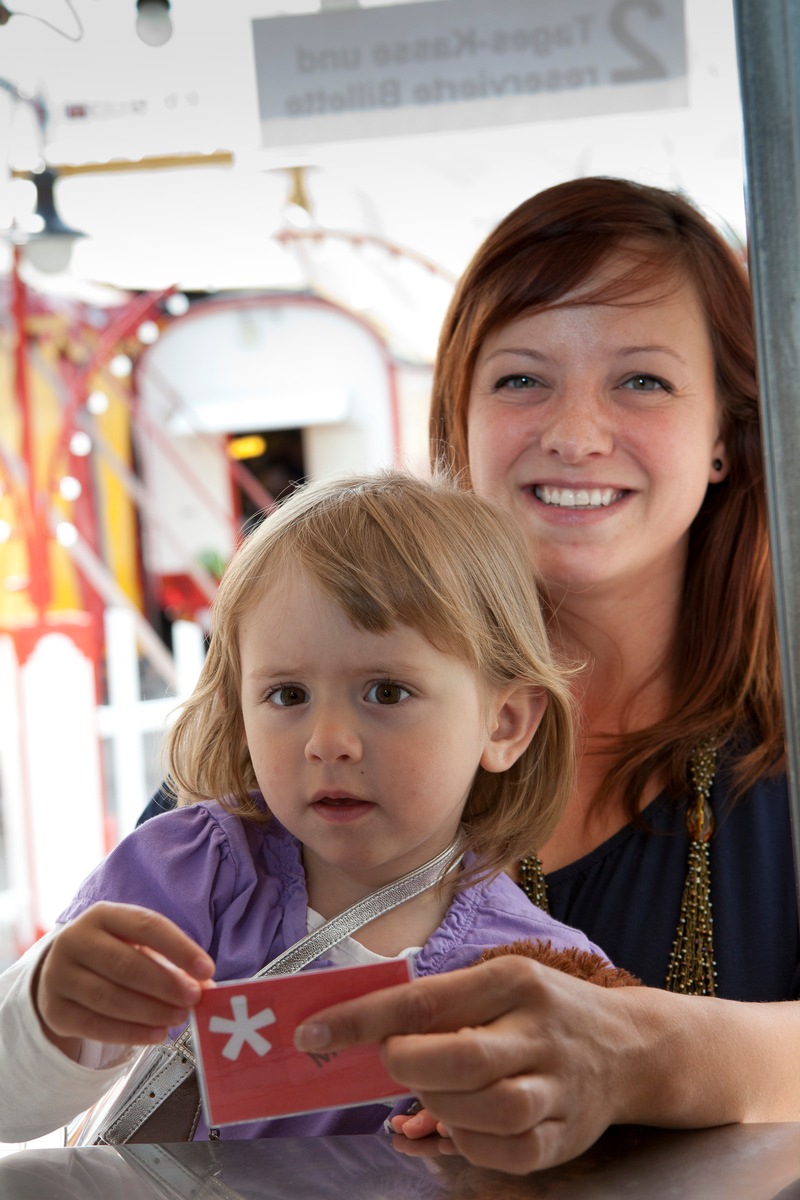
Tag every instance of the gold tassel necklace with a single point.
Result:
(692, 969)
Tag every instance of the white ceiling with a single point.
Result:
(205, 228)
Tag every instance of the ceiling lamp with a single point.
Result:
(153, 22)
(49, 248)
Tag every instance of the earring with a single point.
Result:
(717, 464)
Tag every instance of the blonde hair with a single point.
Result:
(392, 549)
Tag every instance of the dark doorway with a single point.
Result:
(278, 466)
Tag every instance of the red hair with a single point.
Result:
(725, 660)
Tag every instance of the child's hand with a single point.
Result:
(418, 1125)
(118, 974)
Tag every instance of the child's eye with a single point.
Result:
(387, 692)
(287, 694)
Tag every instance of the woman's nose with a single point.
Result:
(333, 738)
(577, 426)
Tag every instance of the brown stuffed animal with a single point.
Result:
(583, 964)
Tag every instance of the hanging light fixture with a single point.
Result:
(49, 248)
(7, 13)
(46, 239)
(153, 22)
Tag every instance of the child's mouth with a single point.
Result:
(341, 808)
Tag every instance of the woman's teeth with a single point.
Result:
(576, 498)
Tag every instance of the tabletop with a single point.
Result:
(734, 1162)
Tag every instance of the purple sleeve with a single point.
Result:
(179, 864)
(235, 886)
(488, 914)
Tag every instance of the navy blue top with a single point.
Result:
(625, 895)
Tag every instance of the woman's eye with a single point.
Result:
(516, 382)
(287, 695)
(387, 693)
(645, 383)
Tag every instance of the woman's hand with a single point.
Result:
(118, 974)
(526, 1066)
(523, 1065)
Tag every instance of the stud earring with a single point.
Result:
(717, 464)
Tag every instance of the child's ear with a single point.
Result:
(514, 715)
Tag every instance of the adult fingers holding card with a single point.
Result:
(483, 1049)
(439, 1004)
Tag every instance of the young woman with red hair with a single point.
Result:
(596, 378)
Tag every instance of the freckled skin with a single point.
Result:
(597, 396)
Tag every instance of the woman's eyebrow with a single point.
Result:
(522, 351)
(654, 349)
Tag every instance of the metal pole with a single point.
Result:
(768, 43)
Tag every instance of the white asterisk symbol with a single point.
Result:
(242, 1028)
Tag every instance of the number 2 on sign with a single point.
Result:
(650, 65)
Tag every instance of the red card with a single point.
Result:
(247, 1064)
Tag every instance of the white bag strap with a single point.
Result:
(314, 944)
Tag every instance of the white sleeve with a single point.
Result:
(42, 1088)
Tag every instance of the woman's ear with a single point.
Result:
(514, 717)
(719, 462)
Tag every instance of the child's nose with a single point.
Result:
(333, 738)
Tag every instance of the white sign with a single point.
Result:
(453, 64)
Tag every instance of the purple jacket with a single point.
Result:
(238, 888)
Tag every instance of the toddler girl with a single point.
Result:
(378, 679)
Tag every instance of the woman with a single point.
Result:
(596, 377)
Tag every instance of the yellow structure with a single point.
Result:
(85, 491)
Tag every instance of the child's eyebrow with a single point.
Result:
(272, 672)
(367, 667)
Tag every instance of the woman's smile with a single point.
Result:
(588, 496)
